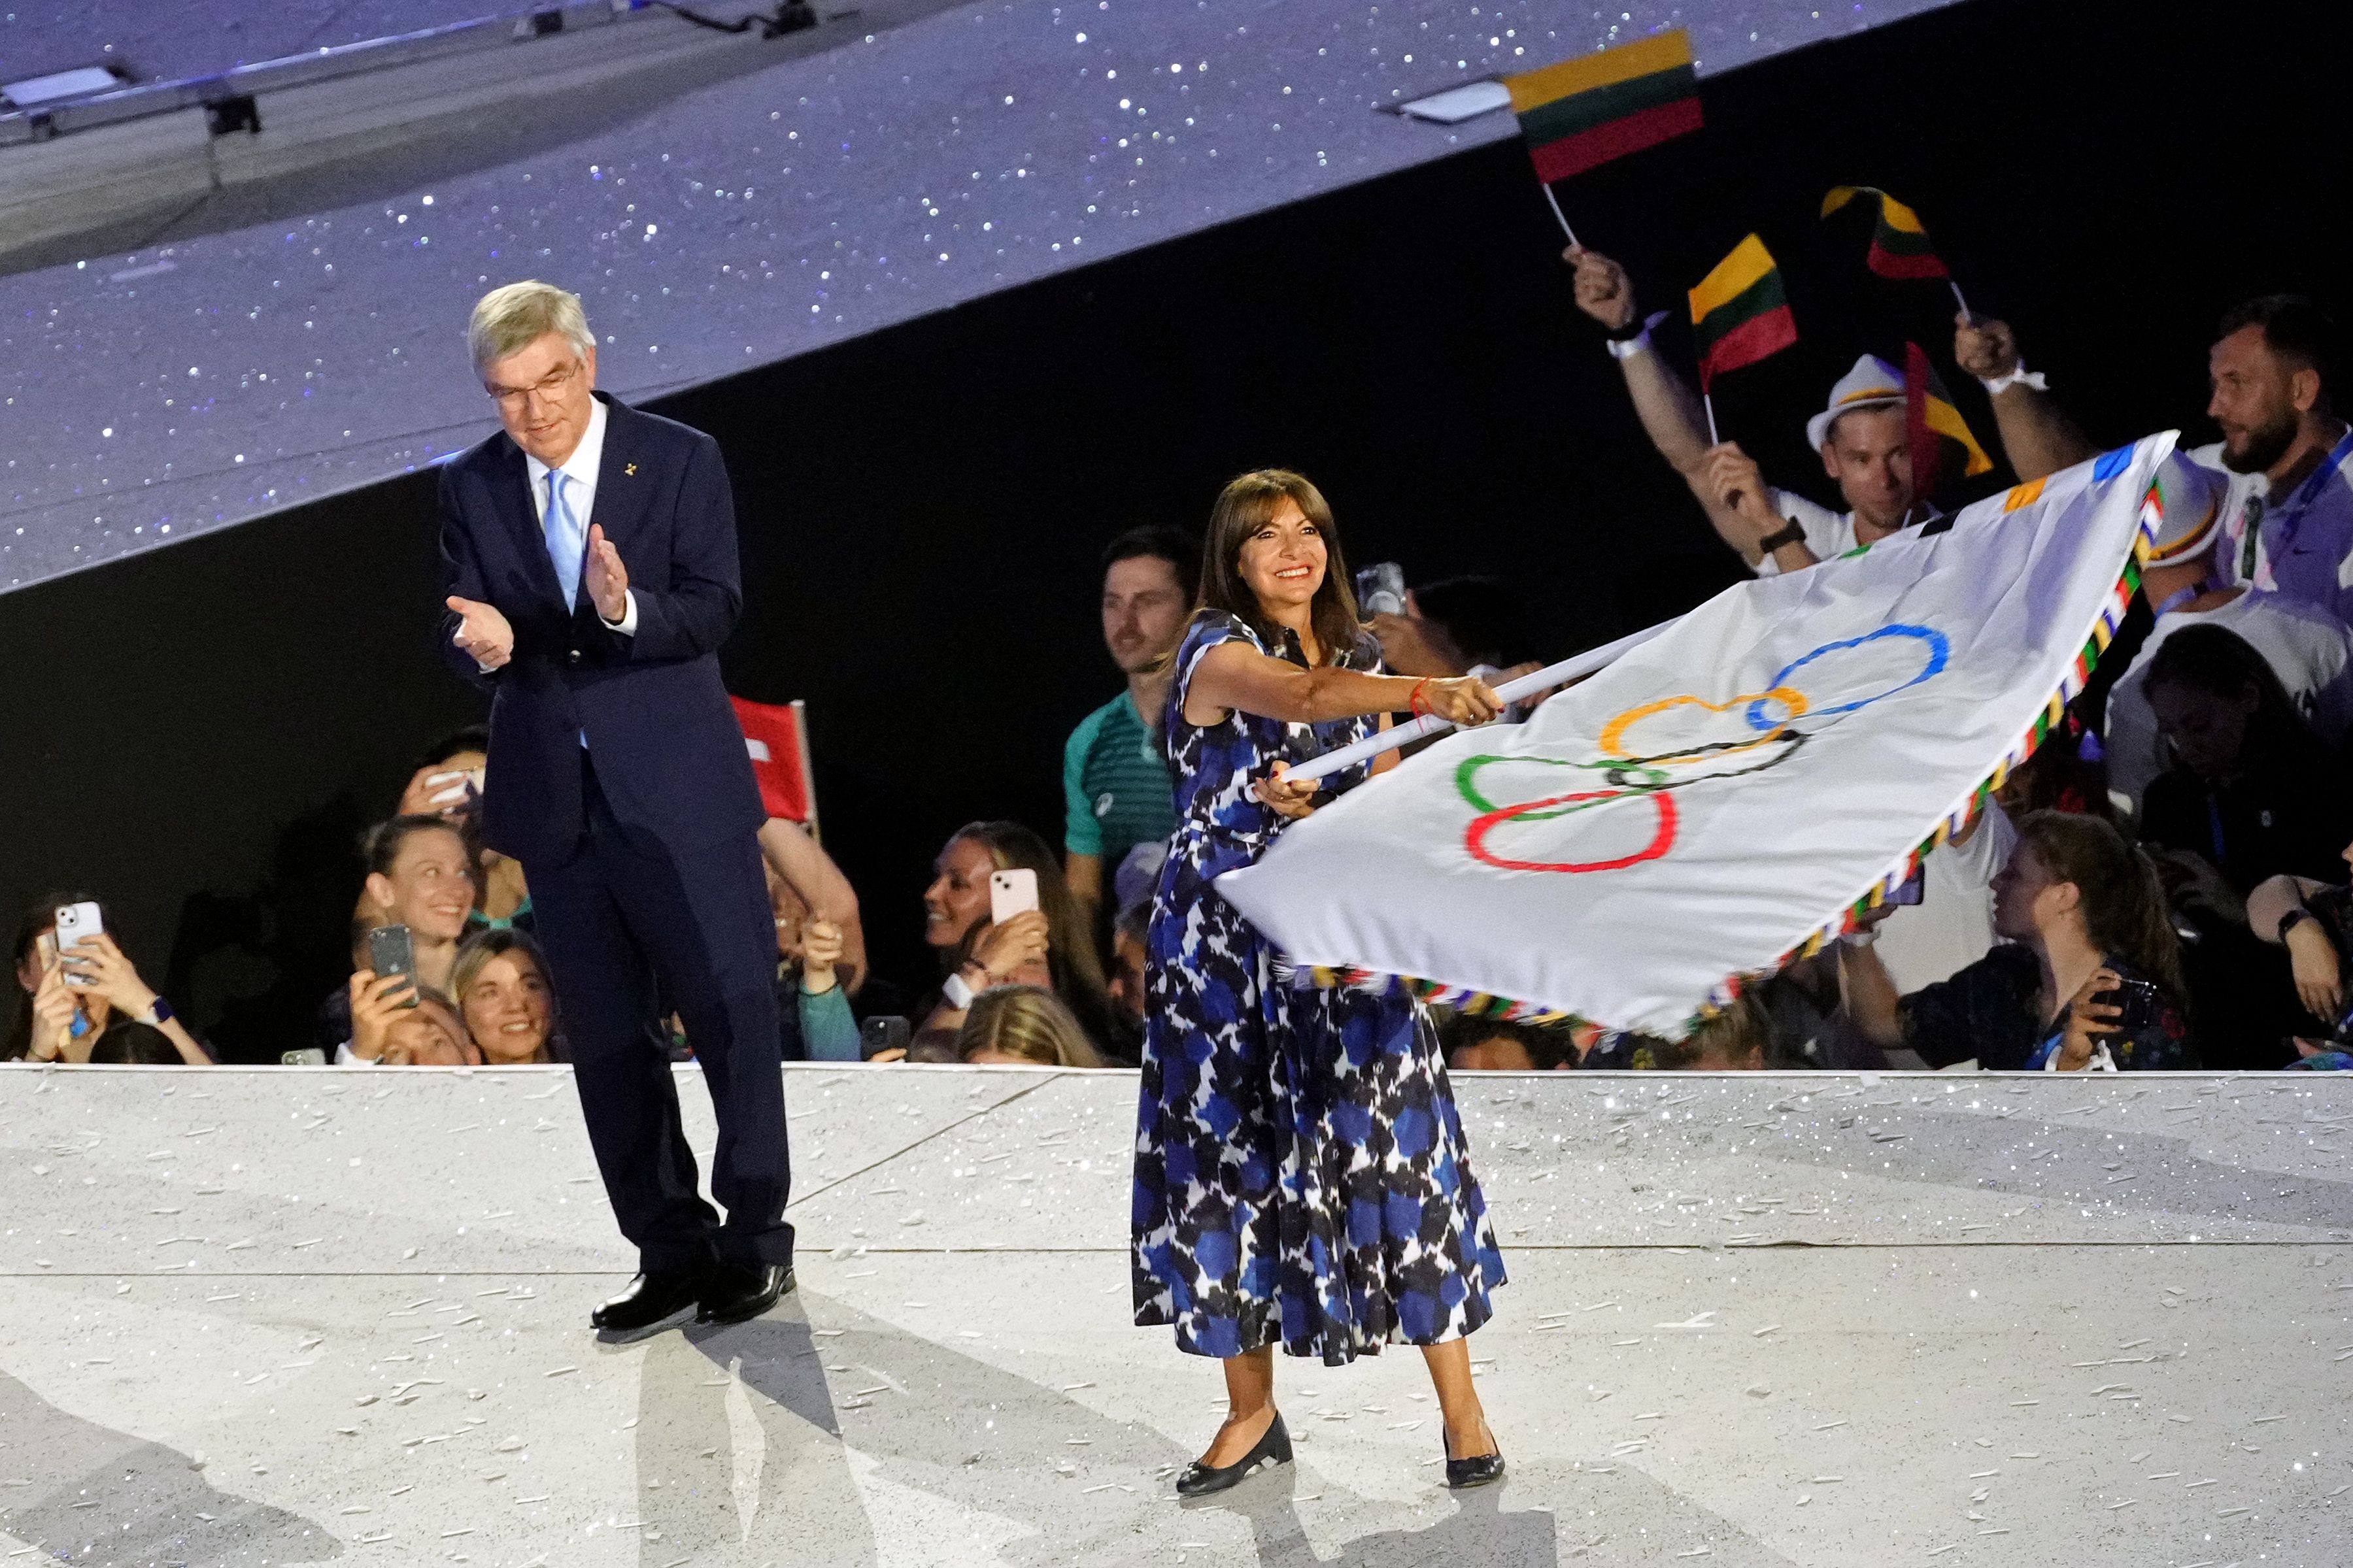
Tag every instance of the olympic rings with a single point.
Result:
(1659, 784)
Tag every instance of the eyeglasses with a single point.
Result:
(550, 387)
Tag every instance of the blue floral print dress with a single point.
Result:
(1301, 1174)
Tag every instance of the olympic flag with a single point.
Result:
(1732, 793)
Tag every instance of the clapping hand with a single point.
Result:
(607, 579)
(482, 632)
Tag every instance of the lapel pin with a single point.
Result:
(631, 470)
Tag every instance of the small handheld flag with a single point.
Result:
(1929, 417)
(777, 739)
(1580, 114)
(1899, 241)
(1739, 313)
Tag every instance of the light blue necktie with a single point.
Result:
(567, 541)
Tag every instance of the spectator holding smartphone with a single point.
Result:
(447, 783)
(2088, 972)
(421, 875)
(68, 1000)
(395, 1025)
(501, 984)
(956, 907)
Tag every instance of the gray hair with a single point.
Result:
(510, 319)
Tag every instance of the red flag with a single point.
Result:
(1927, 451)
(777, 738)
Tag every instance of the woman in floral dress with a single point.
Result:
(1301, 1174)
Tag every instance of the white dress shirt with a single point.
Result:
(580, 472)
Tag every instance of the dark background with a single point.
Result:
(198, 734)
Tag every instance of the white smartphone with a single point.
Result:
(1011, 893)
(75, 921)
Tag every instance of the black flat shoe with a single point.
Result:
(1477, 1471)
(1274, 1449)
(731, 1295)
(650, 1299)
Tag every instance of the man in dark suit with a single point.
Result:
(591, 564)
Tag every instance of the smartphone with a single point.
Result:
(1910, 892)
(391, 951)
(2137, 999)
(1380, 589)
(884, 1032)
(1011, 893)
(75, 921)
(308, 1056)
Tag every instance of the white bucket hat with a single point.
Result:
(1872, 383)
(2193, 495)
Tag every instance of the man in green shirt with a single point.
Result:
(1116, 778)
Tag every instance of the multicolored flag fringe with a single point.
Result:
(1899, 243)
(1734, 792)
(1739, 312)
(1930, 420)
(1581, 113)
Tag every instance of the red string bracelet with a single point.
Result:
(1417, 704)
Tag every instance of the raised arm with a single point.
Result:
(2036, 435)
(810, 872)
(1233, 675)
(1722, 478)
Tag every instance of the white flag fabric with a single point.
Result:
(1733, 792)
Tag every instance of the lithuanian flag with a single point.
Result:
(1584, 112)
(1739, 313)
(1899, 244)
(1929, 413)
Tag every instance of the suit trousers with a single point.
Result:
(629, 921)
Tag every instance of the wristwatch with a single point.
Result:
(2294, 918)
(1795, 533)
(161, 1013)
(1624, 343)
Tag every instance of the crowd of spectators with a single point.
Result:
(2160, 886)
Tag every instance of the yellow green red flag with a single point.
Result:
(1583, 113)
(1899, 243)
(1739, 312)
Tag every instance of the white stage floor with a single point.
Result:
(278, 1316)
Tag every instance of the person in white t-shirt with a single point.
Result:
(1859, 434)
(2308, 647)
(2286, 456)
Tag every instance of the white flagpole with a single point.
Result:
(1708, 403)
(1567, 670)
(1970, 314)
(1554, 202)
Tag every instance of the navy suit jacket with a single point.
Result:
(669, 754)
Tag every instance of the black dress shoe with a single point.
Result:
(1477, 1471)
(731, 1294)
(1274, 1449)
(650, 1298)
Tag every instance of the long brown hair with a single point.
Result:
(2123, 904)
(1243, 508)
(1069, 943)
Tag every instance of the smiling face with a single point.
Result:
(1144, 611)
(546, 394)
(1869, 457)
(957, 898)
(430, 888)
(1283, 562)
(507, 1009)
